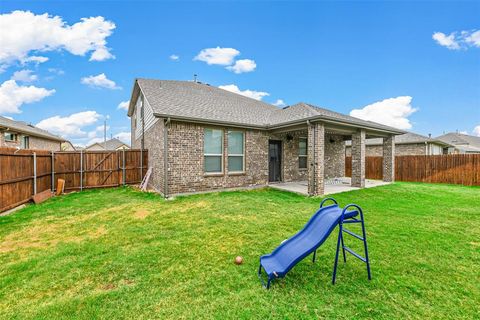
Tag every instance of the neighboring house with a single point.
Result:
(68, 146)
(19, 134)
(112, 144)
(203, 138)
(408, 144)
(461, 143)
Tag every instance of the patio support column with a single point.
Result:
(358, 159)
(316, 159)
(389, 159)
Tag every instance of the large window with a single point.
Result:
(302, 153)
(236, 154)
(10, 136)
(213, 150)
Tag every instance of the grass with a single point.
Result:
(119, 253)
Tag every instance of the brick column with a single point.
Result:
(316, 159)
(358, 159)
(389, 159)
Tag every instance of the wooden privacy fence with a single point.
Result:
(453, 168)
(24, 173)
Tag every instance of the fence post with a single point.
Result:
(123, 166)
(34, 173)
(53, 171)
(141, 164)
(81, 170)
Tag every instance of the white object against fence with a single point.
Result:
(143, 185)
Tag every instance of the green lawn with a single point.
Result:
(119, 253)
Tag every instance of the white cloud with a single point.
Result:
(279, 103)
(219, 56)
(35, 59)
(458, 40)
(257, 95)
(59, 72)
(392, 112)
(100, 81)
(476, 131)
(13, 96)
(123, 105)
(24, 76)
(241, 66)
(70, 126)
(23, 33)
(473, 38)
(125, 137)
(446, 41)
(174, 57)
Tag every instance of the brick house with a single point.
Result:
(407, 144)
(112, 144)
(461, 143)
(202, 138)
(19, 134)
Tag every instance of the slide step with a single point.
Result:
(355, 254)
(352, 221)
(353, 234)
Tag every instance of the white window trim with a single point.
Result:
(303, 156)
(221, 155)
(238, 154)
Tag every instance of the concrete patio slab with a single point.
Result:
(332, 186)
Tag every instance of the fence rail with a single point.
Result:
(24, 173)
(454, 168)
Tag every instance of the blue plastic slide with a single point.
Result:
(306, 241)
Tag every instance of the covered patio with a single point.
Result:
(331, 186)
(322, 169)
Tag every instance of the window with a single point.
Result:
(302, 153)
(236, 151)
(25, 143)
(10, 136)
(213, 150)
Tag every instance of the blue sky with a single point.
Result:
(338, 55)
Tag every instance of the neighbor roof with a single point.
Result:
(407, 138)
(112, 144)
(461, 141)
(23, 127)
(193, 101)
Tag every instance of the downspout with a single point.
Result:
(165, 157)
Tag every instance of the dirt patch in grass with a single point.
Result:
(47, 235)
(141, 214)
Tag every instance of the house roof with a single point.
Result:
(23, 127)
(112, 144)
(406, 138)
(193, 101)
(461, 141)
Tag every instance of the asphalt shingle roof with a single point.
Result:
(112, 144)
(197, 101)
(461, 141)
(23, 127)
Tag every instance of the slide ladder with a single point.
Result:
(311, 237)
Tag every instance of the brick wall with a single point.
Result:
(154, 142)
(186, 160)
(334, 156)
(34, 143)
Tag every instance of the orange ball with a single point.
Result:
(238, 260)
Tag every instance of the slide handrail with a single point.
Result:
(345, 210)
(325, 200)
